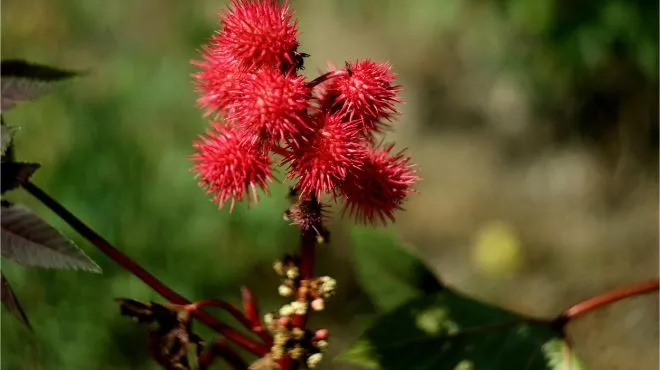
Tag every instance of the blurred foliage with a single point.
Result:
(114, 145)
(497, 250)
(428, 325)
(447, 331)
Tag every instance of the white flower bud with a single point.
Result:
(314, 360)
(284, 290)
(318, 304)
(322, 345)
(268, 318)
(292, 272)
(286, 310)
(299, 308)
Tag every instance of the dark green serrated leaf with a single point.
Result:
(15, 173)
(7, 137)
(10, 302)
(29, 240)
(448, 331)
(33, 71)
(390, 274)
(22, 81)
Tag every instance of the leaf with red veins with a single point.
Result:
(228, 165)
(272, 106)
(377, 189)
(322, 160)
(259, 33)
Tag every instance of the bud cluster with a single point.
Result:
(288, 339)
(264, 112)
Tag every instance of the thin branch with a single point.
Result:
(605, 299)
(235, 312)
(326, 76)
(135, 269)
(223, 350)
(251, 309)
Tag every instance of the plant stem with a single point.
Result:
(131, 266)
(326, 76)
(605, 299)
(307, 257)
(220, 348)
(236, 313)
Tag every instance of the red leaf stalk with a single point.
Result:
(131, 266)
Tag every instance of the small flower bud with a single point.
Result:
(327, 286)
(268, 318)
(292, 272)
(286, 310)
(318, 304)
(314, 360)
(284, 290)
(278, 266)
(280, 339)
(322, 345)
(276, 352)
(284, 321)
(321, 334)
(296, 352)
(299, 308)
(297, 333)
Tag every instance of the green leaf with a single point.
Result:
(22, 81)
(390, 274)
(448, 331)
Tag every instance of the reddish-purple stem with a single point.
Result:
(220, 348)
(124, 261)
(252, 313)
(236, 313)
(612, 296)
(326, 76)
(308, 240)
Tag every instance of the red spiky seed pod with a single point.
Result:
(378, 188)
(218, 80)
(322, 160)
(272, 105)
(229, 166)
(365, 93)
(259, 33)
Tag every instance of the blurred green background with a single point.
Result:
(534, 124)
